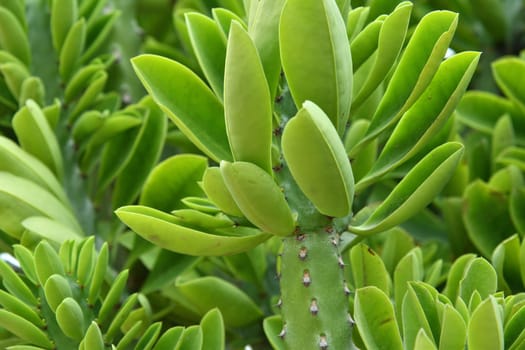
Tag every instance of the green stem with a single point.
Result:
(314, 295)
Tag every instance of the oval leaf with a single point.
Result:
(417, 189)
(164, 230)
(188, 101)
(319, 68)
(247, 102)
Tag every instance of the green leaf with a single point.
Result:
(423, 342)
(368, 269)
(51, 229)
(212, 326)
(318, 162)
(64, 13)
(13, 37)
(264, 30)
(506, 262)
(414, 315)
(209, 46)
(502, 137)
(273, 326)
(145, 153)
(260, 199)
(479, 276)
(169, 338)
(415, 191)
(485, 329)
(172, 180)
(514, 328)
(415, 70)
(509, 73)
(247, 102)
(517, 207)
(455, 275)
(207, 293)
(98, 33)
(428, 114)
(192, 338)
(72, 49)
(486, 216)
(375, 319)
(24, 329)
(390, 42)
(319, 68)
(20, 199)
(481, 110)
(165, 231)
(409, 268)
(453, 330)
(512, 156)
(188, 101)
(16, 161)
(225, 18)
(37, 138)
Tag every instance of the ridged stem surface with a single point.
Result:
(314, 295)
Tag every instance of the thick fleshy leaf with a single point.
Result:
(502, 138)
(188, 101)
(212, 326)
(145, 153)
(517, 208)
(355, 21)
(455, 276)
(172, 180)
(375, 319)
(209, 46)
(247, 102)
(486, 216)
(390, 42)
(414, 316)
(318, 69)
(485, 329)
(165, 231)
(423, 341)
(20, 199)
(428, 115)
(224, 19)
(50, 229)
(417, 189)
(365, 43)
(509, 74)
(273, 326)
(260, 199)
(453, 330)
(13, 37)
(207, 293)
(409, 268)
(415, 70)
(480, 277)
(512, 156)
(506, 262)
(514, 329)
(318, 162)
(264, 30)
(368, 269)
(481, 110)
(37, 138)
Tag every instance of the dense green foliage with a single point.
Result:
(286, 174)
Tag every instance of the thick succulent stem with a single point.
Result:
(314, 295)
